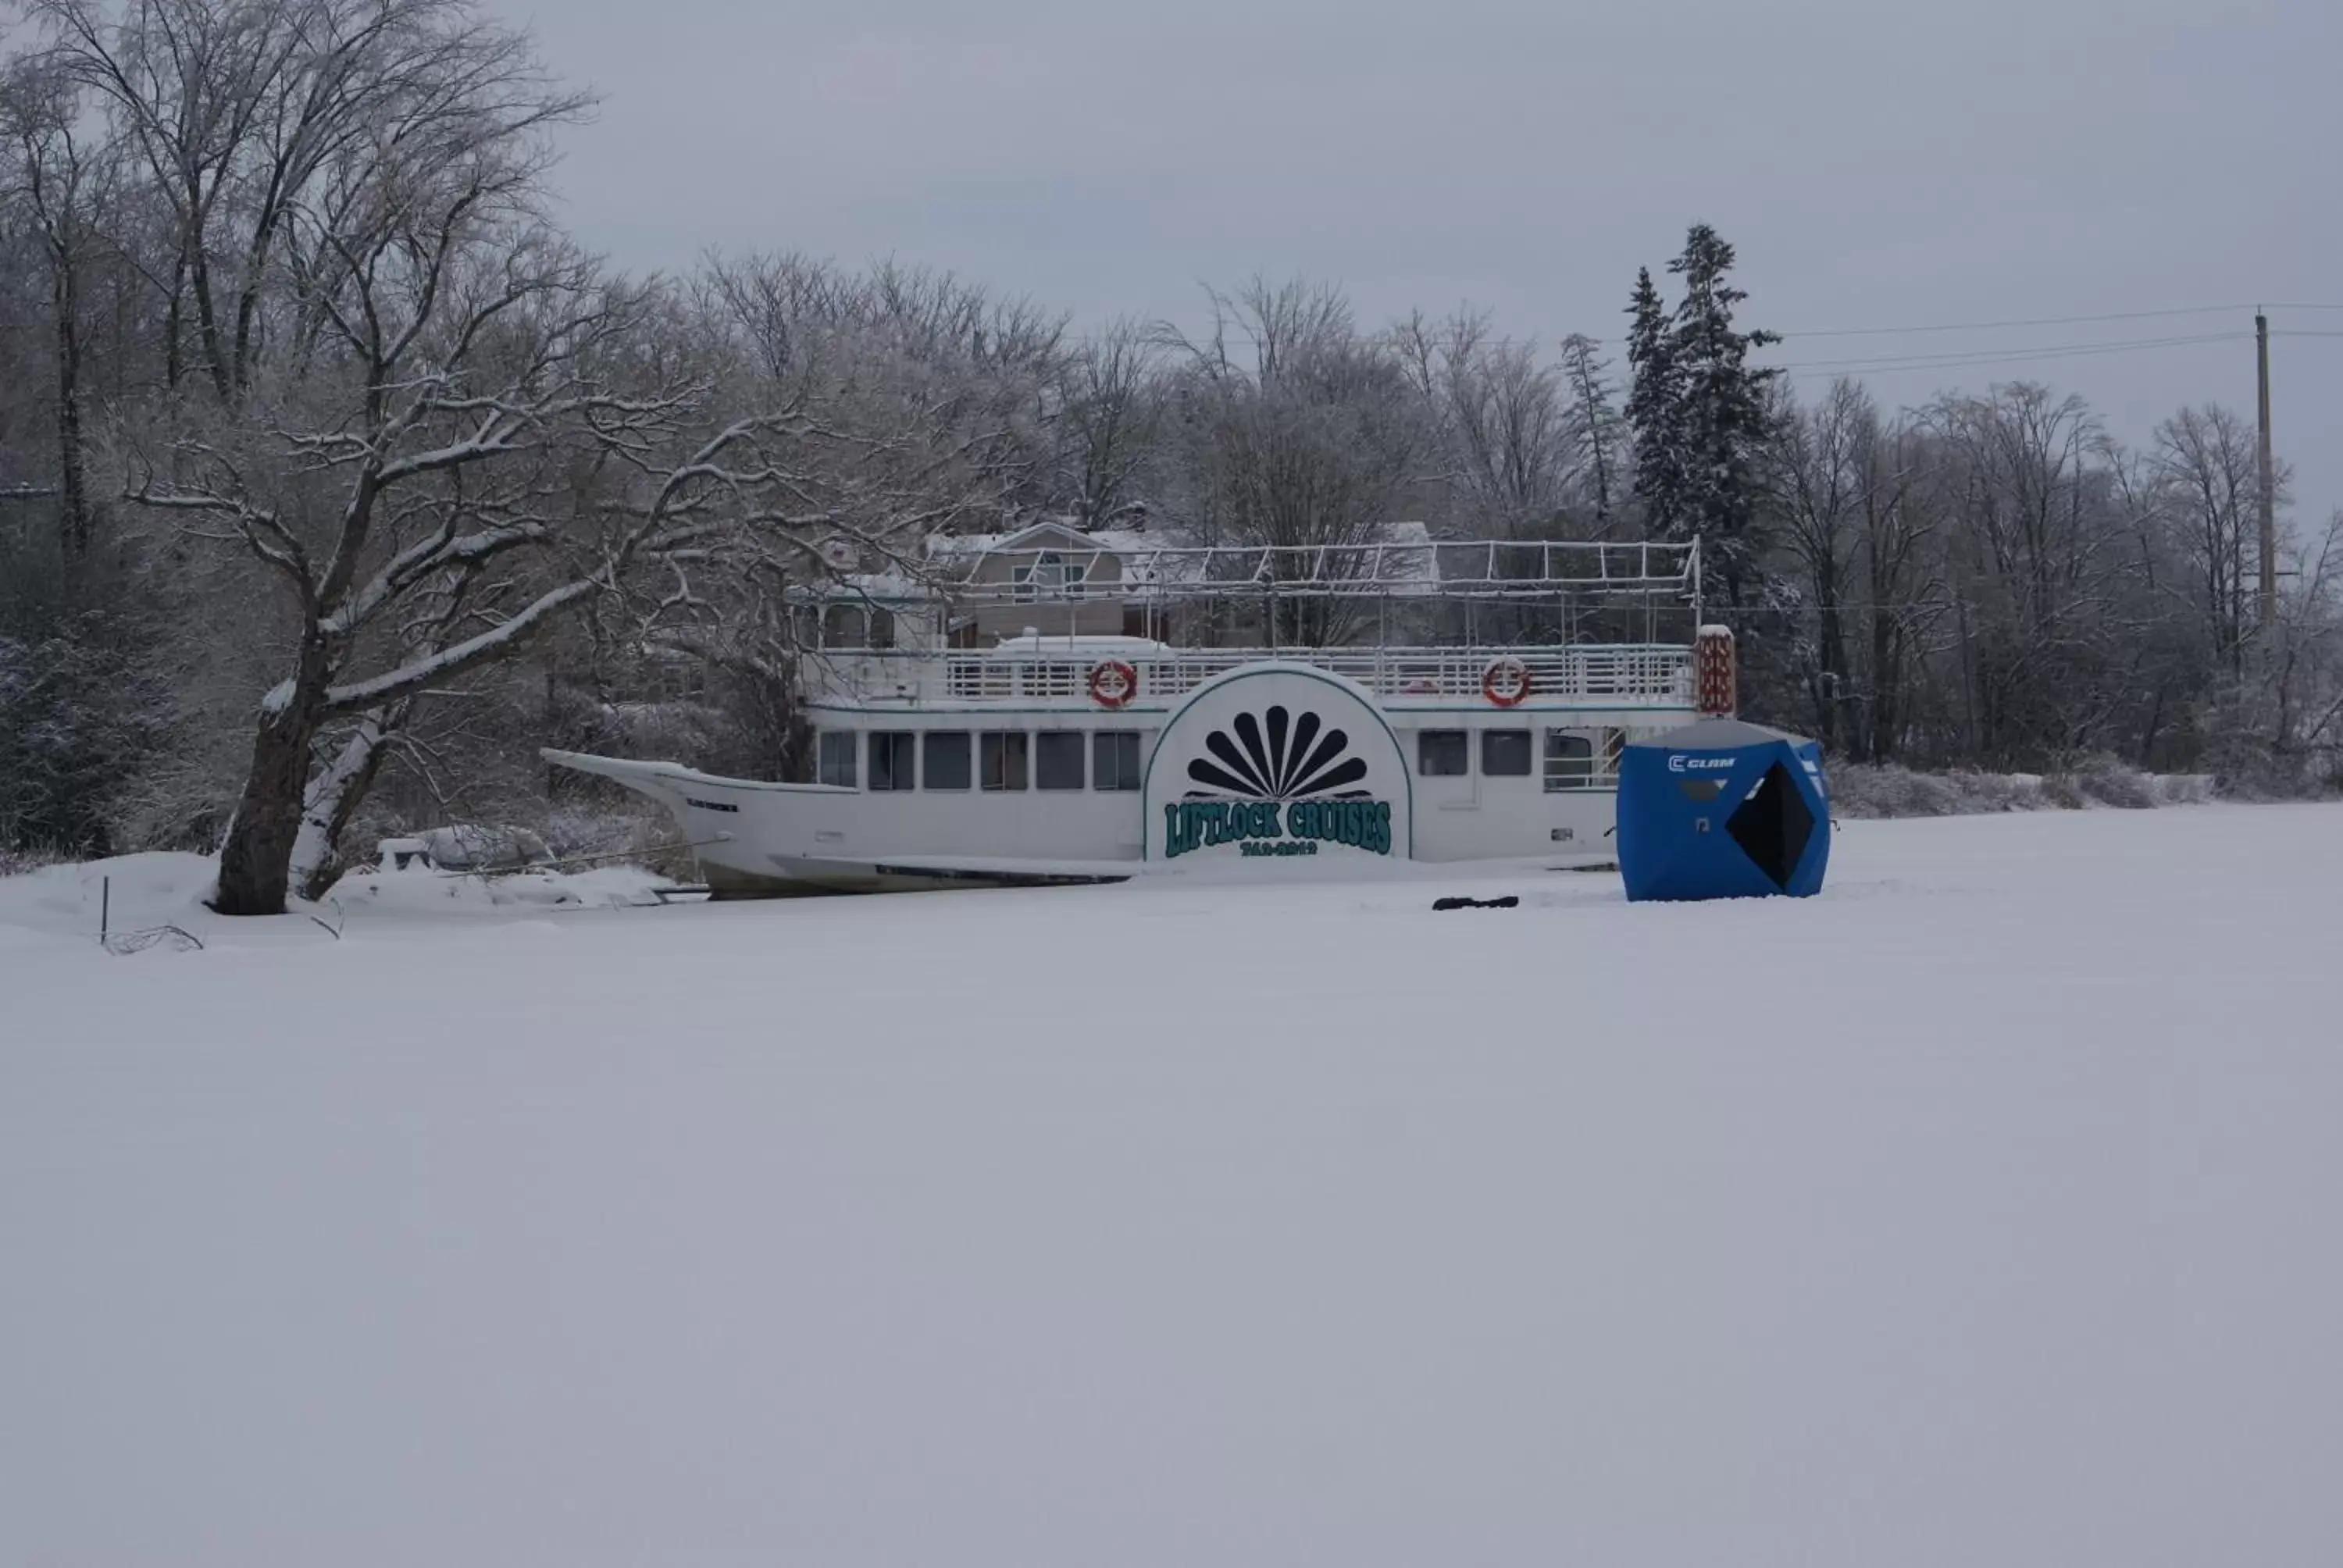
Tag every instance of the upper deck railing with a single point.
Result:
(1611, 674)
(1478, 569)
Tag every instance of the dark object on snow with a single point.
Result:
(1722, 809)
(1507, 902)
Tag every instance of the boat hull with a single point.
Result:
(794, 878)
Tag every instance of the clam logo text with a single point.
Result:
(1680, 764)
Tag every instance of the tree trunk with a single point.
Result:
(207, 326)
(1886, 687)
(174, 324)
(255, 862)
(333, 799)
(73, 496)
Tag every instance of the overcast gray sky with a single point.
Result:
(1877, 164)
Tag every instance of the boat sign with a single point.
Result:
(1275, 761)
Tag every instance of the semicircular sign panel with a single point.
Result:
(1277, 762)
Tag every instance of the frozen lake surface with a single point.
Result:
(1981, 1210)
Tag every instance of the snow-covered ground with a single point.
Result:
(1981, 1210)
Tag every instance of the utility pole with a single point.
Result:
(2269, 497)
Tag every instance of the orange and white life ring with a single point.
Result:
(1113, 683)
(1506, 681)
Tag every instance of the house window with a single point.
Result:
(836, 759)
(855, 626)
(893, 764)
(675, 679)
(1048, 575)
(1058, 759)
(1443, 754)
(1504, 753)
(842, 626)
(1114, 759)
(1004, 756)
(947, 758)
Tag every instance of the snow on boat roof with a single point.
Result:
(1036, 643)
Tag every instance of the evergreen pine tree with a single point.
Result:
(1595, 425)
(1720, 417)
(1654, 407)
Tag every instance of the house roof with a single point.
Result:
(1033, 536)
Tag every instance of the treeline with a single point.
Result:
(334, 477)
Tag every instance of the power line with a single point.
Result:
(1933, 327)
(2031, 321)
(2012, 350)
(1954, 361)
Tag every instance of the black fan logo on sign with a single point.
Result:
(1277, 785)
(1285, 759)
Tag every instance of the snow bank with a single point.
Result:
(1980, 1211)
(422, 891)
(124, 893)
(131, 892)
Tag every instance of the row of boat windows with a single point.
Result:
(1109, 759)
(1569, 758)
(996, 760)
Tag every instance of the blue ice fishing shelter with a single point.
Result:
(1722, 809)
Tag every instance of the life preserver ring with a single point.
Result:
(1113, 683)
(1506, 681)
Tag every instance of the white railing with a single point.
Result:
(1588, 675)
(1481, 568)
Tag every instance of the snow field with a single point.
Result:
(1980, 1211)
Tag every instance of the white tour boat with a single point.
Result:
(1056, 705)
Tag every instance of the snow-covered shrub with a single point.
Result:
(628, 830)
(2060, 792)
(15, 862)
(1886, 789)
(2110, 783)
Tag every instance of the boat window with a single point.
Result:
(1504, 753)
(1114, 759)
(1005, 759)
(1442, 753)
(836, 765)
(882, 627)
(1569, 760)
(947, 758)
(893, 764)
(1058, 759)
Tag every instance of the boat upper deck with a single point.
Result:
(1041, 619)
(1057, 673)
